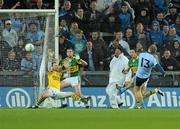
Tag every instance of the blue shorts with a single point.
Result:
(139, 81)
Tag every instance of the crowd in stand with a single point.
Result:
(94, 28)
(26, 4)
(15, 33)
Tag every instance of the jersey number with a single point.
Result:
(145, 63)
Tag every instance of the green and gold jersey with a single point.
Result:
(71, 65)
(133, 64)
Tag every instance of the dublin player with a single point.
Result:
(133, 65)
(146, 62)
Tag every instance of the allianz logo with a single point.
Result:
(18, 97)
(169, 100)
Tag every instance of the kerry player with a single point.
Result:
(71, 65)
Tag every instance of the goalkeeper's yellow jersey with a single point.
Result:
(54, 78)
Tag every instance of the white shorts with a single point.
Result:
(56, 94)
(73, 81)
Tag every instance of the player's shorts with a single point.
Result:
(56, 94)
(140, 81)
(73, 81)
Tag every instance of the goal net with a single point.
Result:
(19, 68)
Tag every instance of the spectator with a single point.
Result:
(169, 63)
(160, 18)
(156, 36)
(28, 64)
(172, 34)
(9, 34)
(165, 29)
(109, 23)
(142, 5)
(105, 6)
(93, 17)
(78, 42)
(139, 48)
(18, 23)
(176, 50)
(177, 25)
(63, 28)
(92, 57)
(39, 5)
(118, 37)
(35, 35)
(73, 30)
(142, 36)
(4, 48)
(63, 45)
(171, 16)
(125, 18)
(81, 20)
(98, 43)
(111, 49)
(66, 11)
(80, 4)
(118, 7)
(143, 18)
(130, 38)
(11, 63)
(160, 5)
(20, 49)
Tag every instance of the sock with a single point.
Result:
(41, 99)
(122, 89)
(138, 103)
(75, 97)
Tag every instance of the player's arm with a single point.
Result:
(82, 62)
(160, 68)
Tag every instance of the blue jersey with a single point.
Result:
(145, 64)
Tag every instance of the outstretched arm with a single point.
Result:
(82, 62)
(160, 68)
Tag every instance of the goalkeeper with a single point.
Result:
(53, 91)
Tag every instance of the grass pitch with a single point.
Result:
(89, 119)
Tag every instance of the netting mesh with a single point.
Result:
(17, 66)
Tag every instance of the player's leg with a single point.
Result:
(126, 86)
(151, 92)
(112, 91)
(64, 84)
(75, 82)
(44, 95)
(138, 96)
(138, 89)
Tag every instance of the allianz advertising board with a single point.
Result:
(24, 97)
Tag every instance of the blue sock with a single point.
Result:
(122, 89)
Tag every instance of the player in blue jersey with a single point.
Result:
(146, 62)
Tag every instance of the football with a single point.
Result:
(29, 47)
